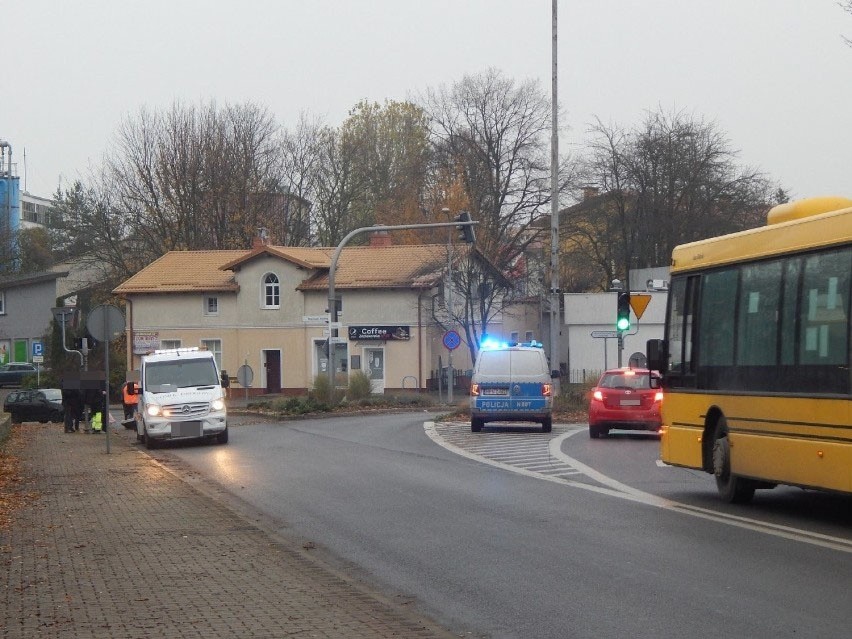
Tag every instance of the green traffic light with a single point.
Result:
(622, 316)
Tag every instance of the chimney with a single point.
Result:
(381, 238)
(261, 239)
(590, 191)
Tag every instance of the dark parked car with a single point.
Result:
(39, 405)
(12, 374)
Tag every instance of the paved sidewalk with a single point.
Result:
(114, 545)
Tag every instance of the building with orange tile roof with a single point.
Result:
(267, 308)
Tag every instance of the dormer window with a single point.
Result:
(211, 305)
(271, 291)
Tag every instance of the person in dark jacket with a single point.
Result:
(72, 402)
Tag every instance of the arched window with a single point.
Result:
(271, 291)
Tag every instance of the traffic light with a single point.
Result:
(465, 232)
(622, 318)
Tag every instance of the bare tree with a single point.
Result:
(300, 159)
(338, 186)
(491, 138)
(91, 226)
(670, 180)
(187, 178)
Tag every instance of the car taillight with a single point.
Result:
(658, 397)
(546, 390)
(597, 395)
(474, 389)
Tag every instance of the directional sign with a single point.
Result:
(607, 334)
(452, 340)
(639, 302)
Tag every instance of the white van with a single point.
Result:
(511, 383)
(180, 397)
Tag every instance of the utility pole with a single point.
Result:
(449, 309)
(555, 314)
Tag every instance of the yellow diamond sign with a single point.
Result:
(639, 302)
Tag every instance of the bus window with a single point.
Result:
(757, 325)
(718, 302)
(792, 270)
(824, 337)
(677, 294)
(680, 334)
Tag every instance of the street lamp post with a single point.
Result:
(61, 315)
(332, 270)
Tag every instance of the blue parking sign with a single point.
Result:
(38, 349)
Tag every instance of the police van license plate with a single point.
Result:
(495, 391)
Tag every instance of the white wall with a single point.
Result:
(587, 312)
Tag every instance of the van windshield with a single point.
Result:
(180, 373)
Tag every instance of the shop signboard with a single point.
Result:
(145, 342)
(382, 333)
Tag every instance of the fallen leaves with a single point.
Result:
(12, 496)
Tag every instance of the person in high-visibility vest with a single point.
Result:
(129, 400)
(97, 422)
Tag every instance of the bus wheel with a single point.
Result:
(732, 489)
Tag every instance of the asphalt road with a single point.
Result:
(596, 540)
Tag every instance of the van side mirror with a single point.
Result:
(555, 374)
(133, 388)
(657, 354)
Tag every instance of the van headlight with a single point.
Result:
(218, 404)
(154, 410)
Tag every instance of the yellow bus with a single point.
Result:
(756, 354)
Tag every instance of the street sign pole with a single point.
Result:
(336, 256)
(104, 323)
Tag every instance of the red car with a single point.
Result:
(624, 399)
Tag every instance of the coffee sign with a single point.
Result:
(383, 333)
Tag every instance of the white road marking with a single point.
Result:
(455, 436)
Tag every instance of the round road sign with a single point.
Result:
(105, 323)
(452, 340)
(245, 375)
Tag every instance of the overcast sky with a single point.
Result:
(774, 75)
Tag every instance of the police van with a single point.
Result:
(511, 383)
(180, 397)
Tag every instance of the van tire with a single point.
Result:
(547, 425)
(149, 441)
(222, 438)
(476, 424)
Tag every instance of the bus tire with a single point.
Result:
(732, 488)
